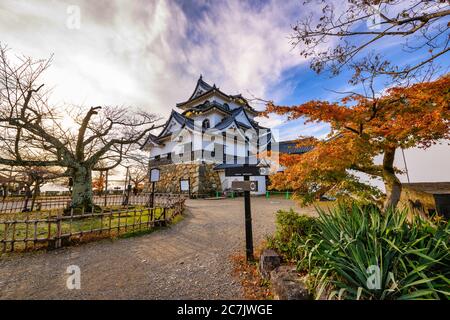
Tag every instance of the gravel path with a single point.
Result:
(189, 260)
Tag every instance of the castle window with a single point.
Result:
(205, 124)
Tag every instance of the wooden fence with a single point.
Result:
(53, 229)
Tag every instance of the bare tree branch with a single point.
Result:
(399, 20)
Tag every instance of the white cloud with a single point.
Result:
(273, 121)
(249, 49)
(298, 128)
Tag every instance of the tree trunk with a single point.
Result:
(27, 198)
(391, 182)
(36, 191)
(82, 195)
(136, 188)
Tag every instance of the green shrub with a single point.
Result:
(292, 231)
(413, 257)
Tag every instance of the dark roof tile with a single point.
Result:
(290, 147)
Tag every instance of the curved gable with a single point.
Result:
(243, 118)
(176, 121)
(200, 88)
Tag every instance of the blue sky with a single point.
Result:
(306, 85)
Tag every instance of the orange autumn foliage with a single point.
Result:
(99, 183)
(362, 128)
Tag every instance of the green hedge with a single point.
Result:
(292, 231)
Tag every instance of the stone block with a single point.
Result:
(287, 285)
(268, 261)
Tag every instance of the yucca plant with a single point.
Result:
(362, 253)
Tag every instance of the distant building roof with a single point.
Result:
(290, 147)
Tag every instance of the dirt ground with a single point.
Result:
(189, 260)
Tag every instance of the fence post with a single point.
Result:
(5, 236)
(13, 239)
(49, 233)
(287, 195)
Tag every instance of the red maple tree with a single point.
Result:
(362, 128)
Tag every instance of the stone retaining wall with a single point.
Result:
(204, 181)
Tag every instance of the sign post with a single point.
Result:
(154, 177)
(248, 224)
(106, 188)
(126, 194)
(129, 187)
(247, 171)
(70, 185)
